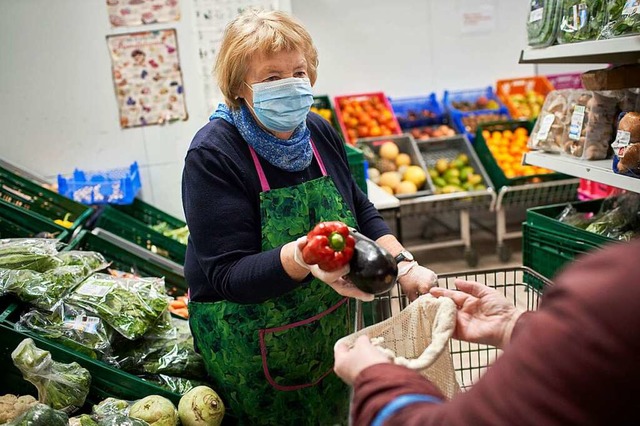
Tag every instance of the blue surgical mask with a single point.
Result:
(282, 105)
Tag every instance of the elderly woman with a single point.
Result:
(257, 177)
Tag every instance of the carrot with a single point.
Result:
(183, 312)
(177, 304)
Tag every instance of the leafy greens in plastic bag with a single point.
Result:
(60, 386)
(132, 306)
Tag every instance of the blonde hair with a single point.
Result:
(259, 32)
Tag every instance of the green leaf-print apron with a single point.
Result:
(272, 362)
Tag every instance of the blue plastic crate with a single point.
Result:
(405, 108)
(458, 118)
(470, 95)
(116, 186)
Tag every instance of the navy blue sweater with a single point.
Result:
(220, 196)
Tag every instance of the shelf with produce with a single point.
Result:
(597, 171)
(622, 50)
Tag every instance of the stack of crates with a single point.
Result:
(548, 244)
(133, 223)
(36, 209)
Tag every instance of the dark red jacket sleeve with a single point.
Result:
(573, 362)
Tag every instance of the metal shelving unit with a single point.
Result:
(597, 171)
(623, 50)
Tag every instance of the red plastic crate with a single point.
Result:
(589, 190)
(350, 137)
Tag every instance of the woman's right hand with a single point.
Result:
(334, 279)
(484, 315)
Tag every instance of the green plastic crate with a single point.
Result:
(547, 252)
(127, 261)
(355, 157)
(40, 201)
(323, 102)
(544, 218)
(16, 222)
(137, 231)
(148, 214)
(106, 381)
(494, 171)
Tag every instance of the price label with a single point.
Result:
(93, 290)
(82, 323)
(536, 15)
(621, 143)
(631, 7)
(545, 126)
(577, 119)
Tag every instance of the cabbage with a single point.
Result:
(155, 410)
(201, 406)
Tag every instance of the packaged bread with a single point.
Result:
(548, 132)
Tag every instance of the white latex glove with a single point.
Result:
(334, 279)
(417, 281)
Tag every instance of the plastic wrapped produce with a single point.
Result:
(543, 23)
(131, 306)
(582, 20)
(72, 327)
(590, 131)
(173, 355)
(60, 386)
(623, 18)
(626, 147)
(548, 132)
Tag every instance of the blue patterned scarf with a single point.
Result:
(293, 154)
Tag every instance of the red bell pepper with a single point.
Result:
(329, 245)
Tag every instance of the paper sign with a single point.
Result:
(477, 17)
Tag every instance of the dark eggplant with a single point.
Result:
(372, 268)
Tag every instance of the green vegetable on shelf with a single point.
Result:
(179, 234)
(47, 289)
(543, 23)
(71, 326)
(132, 306)
(60, 386)
(582, 20)
(40, 415)
(624, 18)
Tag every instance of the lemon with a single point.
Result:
(415, 174)
(390, 179)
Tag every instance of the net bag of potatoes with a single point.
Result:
(418, 338)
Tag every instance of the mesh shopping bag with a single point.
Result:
(418, 338)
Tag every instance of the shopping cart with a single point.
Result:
(521, 285)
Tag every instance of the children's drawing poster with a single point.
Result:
(147, 77)
(129, 13)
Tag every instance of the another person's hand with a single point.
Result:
(417, 281)
(334, 279)
(484, 315)
(349, 362)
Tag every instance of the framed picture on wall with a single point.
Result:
(147, 77)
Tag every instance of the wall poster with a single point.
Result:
(147, 77)
(129, 13)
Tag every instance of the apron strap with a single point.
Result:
(263, 178)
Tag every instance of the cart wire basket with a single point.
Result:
(521, 285)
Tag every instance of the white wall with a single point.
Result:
(58, 109)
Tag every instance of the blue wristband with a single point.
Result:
(399, 403)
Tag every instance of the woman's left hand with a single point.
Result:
(349, 362)
(418, 281)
